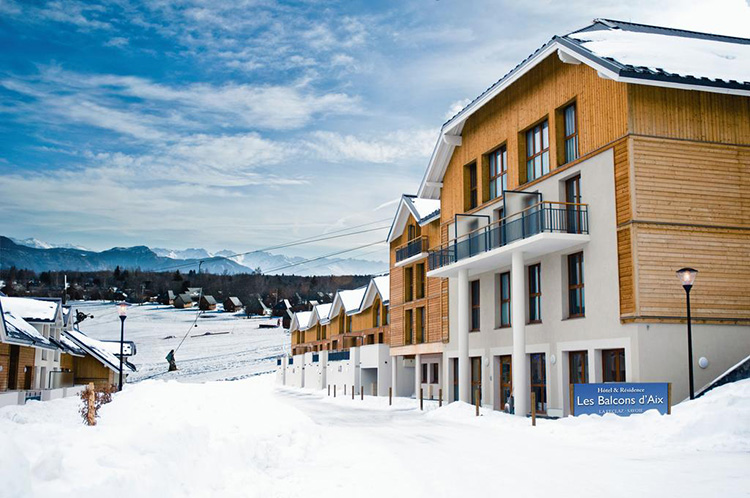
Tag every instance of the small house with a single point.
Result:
(183, 301)
(207, 303)
(232, 304)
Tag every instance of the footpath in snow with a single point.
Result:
(251, 438)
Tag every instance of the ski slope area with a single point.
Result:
(250, 438)
(236, 348)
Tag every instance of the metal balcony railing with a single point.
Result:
(411, 248)
(546, 216)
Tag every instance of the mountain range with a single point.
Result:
(36, 255)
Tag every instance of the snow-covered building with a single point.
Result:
(570, 192)
(183, 300)
(232, 304)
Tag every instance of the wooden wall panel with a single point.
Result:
(623, 193)
(699, 116)
(688, 182)
(722, 257)
(602, 115)
(5, 364)
(626, 271)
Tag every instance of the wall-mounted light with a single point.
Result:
(703, 362)
(553, 359)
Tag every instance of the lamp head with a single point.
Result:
(687, 276)
(122, 310)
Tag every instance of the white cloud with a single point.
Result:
(381, 149)
(117, 41)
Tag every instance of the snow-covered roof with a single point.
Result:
(235, 301)
(19, 331)
(97, 349)
(209, 299)
(321, 314)
(378, 286)
(348, 300)
(301, 320)
(424, 211)
(35, 310)
(70, 347)
(620, 51)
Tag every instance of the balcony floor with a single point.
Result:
(532, 247)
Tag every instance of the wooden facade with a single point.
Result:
(17, 367)
(681, 190)
(432, 302)
(88, 369)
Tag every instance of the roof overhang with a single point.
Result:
(569, 53)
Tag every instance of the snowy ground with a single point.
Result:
(251, 438)
(238, 349)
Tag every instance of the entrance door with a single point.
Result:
(28, 377)
(13, 368)
(476, 380)
(454, 363)
(506, 380)
(578, 366)
(539, 381)
(573, 198)
(613, 365)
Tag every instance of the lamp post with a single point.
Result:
(687, 277)
(122, 309)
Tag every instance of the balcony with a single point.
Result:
(411, 250)
(542, 228)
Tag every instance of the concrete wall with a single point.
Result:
(295, 372)
(315, 371)
(375, 367)
(344, 372)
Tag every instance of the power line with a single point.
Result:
(308, 240)
(324, 256)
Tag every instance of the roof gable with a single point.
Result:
(378, 287)
(423, 211)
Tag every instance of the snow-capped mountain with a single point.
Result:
(39, 256)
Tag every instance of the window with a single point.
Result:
(387, 313)
(474, 289)
(613, 365)
(576, 303)
(498, 172)
(505, 299)
(472, 191)
(578, 362)
(570, 137)
(408, 283)
(341, 323)
(535, 293)
(420, 280)
(435, 379)
(408, 327)
(348, 324)
(377, 314)
(539, 381)
(412, 232)
(425, 380)
(537, 151)
(420, 326)
(573, 208)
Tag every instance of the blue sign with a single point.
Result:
(621, 399)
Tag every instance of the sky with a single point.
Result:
(241, 124)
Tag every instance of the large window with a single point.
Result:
(408, 283)
(537, 151)
(570, 137)
(539, 381)
(535, 293)
(613, 365)
(472, 192)
(408, 327)
(420, 280)
(420, 326)
(387, 313)
(576, 296)
(505, 299)
(579, 367)
(348, 324)
(474, 289)
(376, 320)
(435, 379)
(498, 172)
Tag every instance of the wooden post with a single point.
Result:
(374, 389)
(533, 409)
(572, 404)
(421, 398)
(334, 390)
(362, 393)
(91, 402)
(440, 397)
(390, 396)
(476, 399)
(352, 392)
(344, 389)
(669, 399)
(329, 389)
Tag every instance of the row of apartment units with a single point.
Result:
(44, 355)
(541, 247)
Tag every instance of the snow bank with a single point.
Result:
(157, 439)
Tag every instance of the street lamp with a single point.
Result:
(687, 277)
(122, 309)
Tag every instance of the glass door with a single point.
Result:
(506, 380)
(454, 363)
(539, 381)
(578, 365)
(476, 380)
(573, 199)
